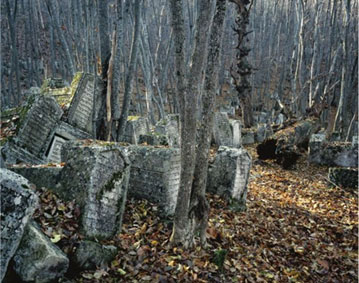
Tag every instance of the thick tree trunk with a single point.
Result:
(199, 207)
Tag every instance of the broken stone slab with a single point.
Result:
(37, 258)
(18, 204)
(90, 255)
(13, 154)
(222, 133)
(135, 127)
(86, 103)
(170, 127)
(155, 176)
(228, 176)
(95, 175)
(344, 177)
(341, 154)
(248, 136)
(42, 176)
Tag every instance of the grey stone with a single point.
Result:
(170, 127)
(355, 142)
(84, 109)
(153, 139)
(228, 176)
(18, 203)
(344, 177)
(13, 154)
(248, 137)
(46, 177)
(236, 128)
(263, 132)
(90, 255)
(37, 128)
(37, 258)
(222, 133)
(96, 176)
(332, 153)
(155, 176)
(135, 127)
(279, 120)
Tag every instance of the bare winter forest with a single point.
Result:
(179, 141)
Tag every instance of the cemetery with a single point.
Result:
(179, 141)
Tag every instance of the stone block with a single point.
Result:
(135, 127)
(153, 139)
(37, 258)
(155, 176)
(96, 176)
(315, 145)
(18, 203)
(228, 176)
(170, 127)
(344, 177)
(355, 142)
(263, 132)
(222, 133)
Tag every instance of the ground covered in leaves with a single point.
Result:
(296, 229)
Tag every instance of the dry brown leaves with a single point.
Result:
(296, 229)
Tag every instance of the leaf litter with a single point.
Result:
(296, 228)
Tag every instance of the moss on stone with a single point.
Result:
(109, 186)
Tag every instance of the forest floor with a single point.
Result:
(296, 229)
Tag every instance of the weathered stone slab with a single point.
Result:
(248, 136)
(155, 176)
(96, 176)
(263, 132)
(37, 259)
(46, 177)
(332, 153)
(18, 203)
(13, 154)
(236, 128)
(135, 127)
(222, 133)
(344, 177)
(86, 103)
(170, 127)
(153, 139)
(228, 176)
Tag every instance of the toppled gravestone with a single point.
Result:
(86, 103)
(228, 176)
(169, 129)
(222, 132)
(96, 176)
(135, 127)
(91, 255)
(342, 154)
(248, 136)
(155, 176)
(37, 258)
(35, 132)
(18, 203)
(344, 177)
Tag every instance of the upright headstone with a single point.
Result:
(96, 176)
(222, 132)
(155, 175)
(135, 127)
(228, 176)
(236, 128)
(18, 203)
(86, 103)
(170, 127)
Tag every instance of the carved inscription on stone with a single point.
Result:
(55, 149)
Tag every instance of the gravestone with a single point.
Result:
(248, 136)
(263, 132)
(344, 177)
(236, 129)
(35, 132)
(37, 259)
(170, 127)
(84, 109)
(222, 133)
(155, 176)
(135, 127)
(228, 176)
(18, 203)
(96, 176)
